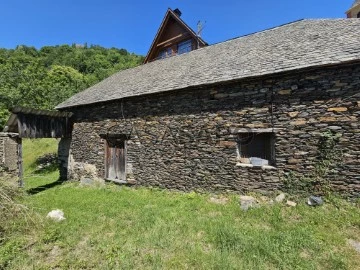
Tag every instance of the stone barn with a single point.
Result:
(255, 113)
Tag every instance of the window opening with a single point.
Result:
(184, 47)
(165, 53)
(256, 149)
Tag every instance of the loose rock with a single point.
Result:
(315, 201)
(291, 203)
(56, 215)
(280, 198)
(219, 200)
(247, 202)
(354, 244)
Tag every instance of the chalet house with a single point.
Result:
(173, 37)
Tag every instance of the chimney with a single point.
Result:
(177, 12)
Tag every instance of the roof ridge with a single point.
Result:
(277, 27)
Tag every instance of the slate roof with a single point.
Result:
(298, 45)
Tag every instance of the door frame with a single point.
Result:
(121, 138)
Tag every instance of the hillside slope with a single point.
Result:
(43, 78)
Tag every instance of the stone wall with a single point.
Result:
(187, 140)
(9, 155)
(2, 149)
(64, 158)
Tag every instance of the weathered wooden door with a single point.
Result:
(115, 160)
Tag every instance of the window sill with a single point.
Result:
(264, 167)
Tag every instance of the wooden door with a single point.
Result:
(115, 160)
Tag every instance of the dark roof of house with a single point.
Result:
(12, 123)
(294, 46)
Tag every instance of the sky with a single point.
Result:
(132, 24)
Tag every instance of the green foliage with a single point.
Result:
(43, 78)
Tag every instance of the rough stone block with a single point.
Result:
(327, 119)
(219, 96)
(298, 123)
(284, 92)
(293, 114)
(338, 109)
(228, 144)
(294, 161)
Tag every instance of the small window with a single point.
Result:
(184, 47)
(358, 15)
(167, 52)
(256, 149)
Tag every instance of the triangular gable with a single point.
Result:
(172, 31)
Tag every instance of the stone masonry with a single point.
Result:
(9, 155)
(187, 139)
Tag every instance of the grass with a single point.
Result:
(32, 150)
(115, 227)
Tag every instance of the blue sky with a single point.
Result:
(133, 24)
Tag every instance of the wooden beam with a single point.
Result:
(171, 39)
(24, 110)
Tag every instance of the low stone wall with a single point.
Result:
(9, 155)
(188, 140)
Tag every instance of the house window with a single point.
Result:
(167, 52)
(358, 15)
(184, 47)
(256, 149)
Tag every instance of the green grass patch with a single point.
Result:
(33, 150)
(116, 227)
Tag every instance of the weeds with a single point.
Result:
(11, 212)
(329, 156)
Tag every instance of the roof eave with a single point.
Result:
(301, 69)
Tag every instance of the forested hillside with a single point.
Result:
(43, 78)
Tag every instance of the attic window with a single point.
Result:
(167, 52)
(256, 149)
(184, 47)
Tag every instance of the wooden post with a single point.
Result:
(20, 163)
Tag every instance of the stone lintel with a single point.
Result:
(254, 130)
(9, 134)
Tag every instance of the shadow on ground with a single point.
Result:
(39, 189)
